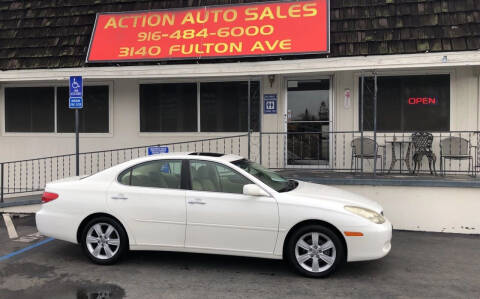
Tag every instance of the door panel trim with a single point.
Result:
(158, 221)
(235, 226)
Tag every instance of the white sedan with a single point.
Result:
(217, 204)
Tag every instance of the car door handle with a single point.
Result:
(119, 197)
(197, 201)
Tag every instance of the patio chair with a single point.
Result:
(422, 144)
(456, 148)
(370, 152)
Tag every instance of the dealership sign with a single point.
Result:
(272, 28)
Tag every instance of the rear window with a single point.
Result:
(155, 174)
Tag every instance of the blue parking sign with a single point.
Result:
(155, 150)
(76, 92)
(75, 103)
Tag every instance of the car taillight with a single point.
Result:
(48, 196)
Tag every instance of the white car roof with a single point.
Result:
(192, 155)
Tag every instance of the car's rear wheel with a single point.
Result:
(104, 240)
(315, 251)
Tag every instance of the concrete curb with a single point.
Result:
(20, 203)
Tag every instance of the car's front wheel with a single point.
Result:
(104, 240)
(315, 251)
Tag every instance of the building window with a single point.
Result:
(407, 103)
(173, 107)
(168, 107)
(93, 117)
(224, 106)
(32, 110)
(29, 109)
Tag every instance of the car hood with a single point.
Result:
(323, 192)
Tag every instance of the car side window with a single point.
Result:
(214, 177)
(124, 177)
(156, 174)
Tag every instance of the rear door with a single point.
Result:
(221, 217)
(150, 198)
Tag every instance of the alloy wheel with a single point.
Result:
(315, 252)
(103, 241)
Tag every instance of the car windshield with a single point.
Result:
(267, 176)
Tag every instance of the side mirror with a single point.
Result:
(254, 190)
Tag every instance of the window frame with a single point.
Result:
(189, 177)
(426, 72)
(198, 81)
(139, 114)
(129, 170)
(55, 133)
(4, 108)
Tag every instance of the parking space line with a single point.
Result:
(12, 233)
(12, 254)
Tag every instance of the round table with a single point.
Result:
(406, 159)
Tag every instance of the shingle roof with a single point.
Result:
(56, 33)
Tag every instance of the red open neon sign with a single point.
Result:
(423, 101)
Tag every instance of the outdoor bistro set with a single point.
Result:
(414, 149)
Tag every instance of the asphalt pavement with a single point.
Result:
(420, 265)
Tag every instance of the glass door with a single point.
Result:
(308, 122)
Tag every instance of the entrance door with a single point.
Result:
(308, 122)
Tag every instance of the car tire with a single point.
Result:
(104, 241)
(315, 259)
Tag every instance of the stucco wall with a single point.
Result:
(441, 209)
(125, 115)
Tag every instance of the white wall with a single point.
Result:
(441, 209)
(125, 120)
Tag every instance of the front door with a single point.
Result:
(221, 217)
(308, 122)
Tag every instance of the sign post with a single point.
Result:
(75, 101)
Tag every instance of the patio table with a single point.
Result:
(406, 159)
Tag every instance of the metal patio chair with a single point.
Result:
(422, 144)
(369, 152)
(456, 148)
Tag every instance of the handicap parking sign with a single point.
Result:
(76, 92)
(270, 103)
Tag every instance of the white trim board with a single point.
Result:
(299, 66)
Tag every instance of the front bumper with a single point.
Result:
(374, 244)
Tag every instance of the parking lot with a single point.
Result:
(421, 265)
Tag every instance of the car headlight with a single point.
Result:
(366, 213)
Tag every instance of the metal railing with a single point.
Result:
(28, 176)
(340, 151)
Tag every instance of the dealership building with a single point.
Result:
(293, 85)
